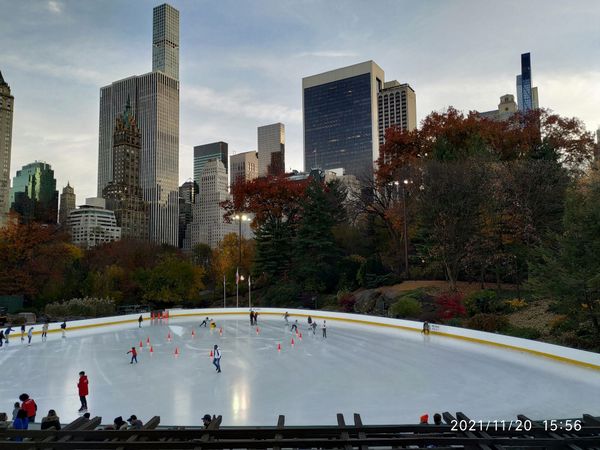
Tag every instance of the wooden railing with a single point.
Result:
(458, 432)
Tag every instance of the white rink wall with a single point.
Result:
(557, 352)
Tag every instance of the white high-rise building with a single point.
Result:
(92, 224)
(155, 104)
(397, 107)
(271, 149)
(208, 226)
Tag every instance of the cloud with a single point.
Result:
(55, 6)
(327, 54)
(240, 102)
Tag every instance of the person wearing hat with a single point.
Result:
(135, 423)
(206, 420)
(424, 419)
(217, 358)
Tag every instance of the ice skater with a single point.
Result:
(285, 316)
(82, 387)
(45, 331)
(205, 322)
(1, 338)
(63, 328)
(324, 329)
(251, 317)
(133, 355)
(314, 327)
(7, 332)
(29, 336)
(425, 328)
(140, 320)
(23, 333)
(310, 321)
(217, 358)
(294, 326)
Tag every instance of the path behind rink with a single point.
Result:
(388, 376)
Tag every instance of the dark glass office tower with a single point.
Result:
(340, 119)
(527, 96)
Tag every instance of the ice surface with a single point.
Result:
(386, 375)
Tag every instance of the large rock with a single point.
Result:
(366, 301)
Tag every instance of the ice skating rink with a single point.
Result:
(386, 375)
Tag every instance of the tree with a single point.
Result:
(568, 268)
(315, 251)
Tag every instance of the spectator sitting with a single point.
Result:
(424, 419)
(120, 424)
(206, 420)
(21, 423)
(135, 423)
(87, 415)
(437, 419)
(51, 421)
(3, 421)
(16, 410)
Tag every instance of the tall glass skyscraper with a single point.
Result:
(527, 96)
(341, 127)
(155, 105)
(206, 152)
(33, 195)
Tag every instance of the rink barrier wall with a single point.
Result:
(555, 352)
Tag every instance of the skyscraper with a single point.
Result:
(271, 149)
(206, 152)
(341, 127)
(67, 204)
(165, 40)
(123, 194)
(188, 192)
(397, 107)
(33, 195)
(7, 102)
(244, 166)
(207, 225)
(155, 105)
(527, 96)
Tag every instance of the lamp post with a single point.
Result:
(237, 291)
(240, 218)
(404, 224)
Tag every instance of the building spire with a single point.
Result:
(1, 78)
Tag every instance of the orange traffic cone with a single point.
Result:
(279, 348)
(169, 337)
(293, 342)
(257, 330)
(211, 354)
(151, 351)
(151, 315)
(221, 331)
(160, 315)
(166, 314)
(193, 333)
(300, 336)
(176, 351)
(148, 340)
(141, 344)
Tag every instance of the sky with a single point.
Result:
(242, 64)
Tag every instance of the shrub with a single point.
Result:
(405, 306)
(449, 305)
(87, 307)
(522, 332)
(487, 322)
(284, 294)
(484, 301)
(515, 304)
(347, 302)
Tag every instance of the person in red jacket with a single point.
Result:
(29, 406)
(82, 385)
(133, 355)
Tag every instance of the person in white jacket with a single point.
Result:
(217, 358)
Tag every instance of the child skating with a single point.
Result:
(133, 355)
